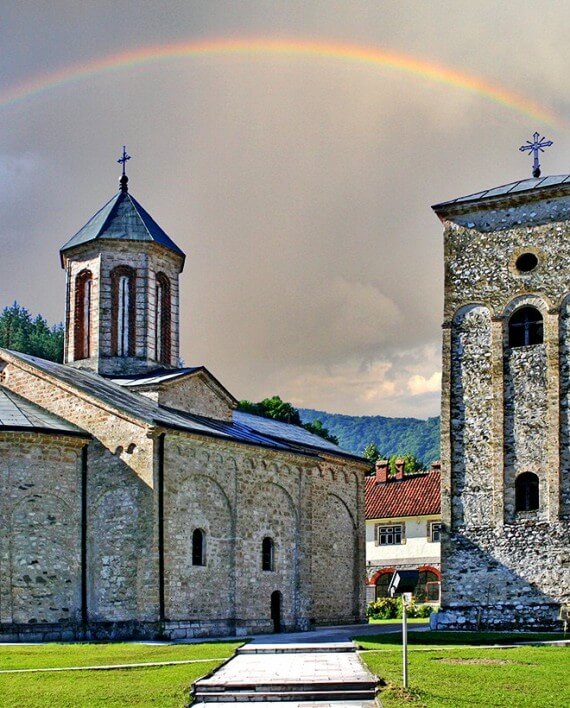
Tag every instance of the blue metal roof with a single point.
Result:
(522, 185)
(123, 219)
(17, 413)
(245, 428)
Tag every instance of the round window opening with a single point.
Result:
(526, 262)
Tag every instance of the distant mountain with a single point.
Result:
(391, 435)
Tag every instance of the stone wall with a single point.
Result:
(40, 516)
(236, 494)
(194, 394)
(505, 412)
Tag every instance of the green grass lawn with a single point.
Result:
(449, 670)
(152, 686)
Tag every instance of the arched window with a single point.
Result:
(198, 547)
(82, 327)
(267, 554)
(526, 492)
(123, 308)
(425, 577)
(382, 583)
(525, 327)
(162, 327)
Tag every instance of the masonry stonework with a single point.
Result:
(505, 563)
(98, 518)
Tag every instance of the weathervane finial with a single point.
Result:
(124, 179)
(537, 145)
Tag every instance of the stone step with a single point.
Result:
(282, 696)
(289, 686)
(337, 647)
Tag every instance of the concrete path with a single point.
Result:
(303, 674)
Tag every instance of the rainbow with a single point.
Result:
(255, 47)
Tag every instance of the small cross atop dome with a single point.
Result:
(124, 181)
(535, 146)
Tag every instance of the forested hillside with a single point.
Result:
(391, 435)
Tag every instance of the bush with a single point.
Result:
(384, 608)
(391, 608)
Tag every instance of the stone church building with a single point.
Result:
(506, 406)
(135, 500)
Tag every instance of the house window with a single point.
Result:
(526, 327)
(123, 310)
(267, 554)
(526, 492)
(198, 547)
(162, 321)
(389, 535)
(82, 329)
(434, 531)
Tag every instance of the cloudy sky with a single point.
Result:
(298, 182)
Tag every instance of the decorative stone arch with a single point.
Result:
(541, 302)
(343, 502)
(463, 312)
(430, 569)
(383, 571)
(221, 490)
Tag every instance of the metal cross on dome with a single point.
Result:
(124, 157)
(537, 145)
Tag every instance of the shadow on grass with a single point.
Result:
(454, 638)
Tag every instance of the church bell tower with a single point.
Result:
(505, 420)
(122, 314)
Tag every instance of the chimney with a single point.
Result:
(382, 467)
(436, 466)
(399, 468)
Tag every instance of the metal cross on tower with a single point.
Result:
(124, 179)
(537, 145)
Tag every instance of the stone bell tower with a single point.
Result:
(122, 313)
(505, 419)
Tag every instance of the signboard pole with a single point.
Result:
(404, 644)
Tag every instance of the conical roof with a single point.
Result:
(122, 219)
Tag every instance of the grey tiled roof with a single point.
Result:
(522, 185)
(17, 413)
(155, 377)
(124, 219)
(245, 428)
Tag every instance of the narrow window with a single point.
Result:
(526, 492)
(198, 547)
(434, 531)
(267, 554)
(82, 329)
(525, 327)
(123, 311)
(162, 320)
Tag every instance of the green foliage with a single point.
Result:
(391, 608)
(278, 409)
(391, 435)
(21, 333)
(372, 453)
(411, 463)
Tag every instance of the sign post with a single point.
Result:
(403, 583)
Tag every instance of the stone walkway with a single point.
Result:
(302, 674)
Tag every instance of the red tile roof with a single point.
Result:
(414, 495)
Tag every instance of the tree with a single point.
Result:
(411, 463)
(372, 453)
(21, 333)
(278, 409)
